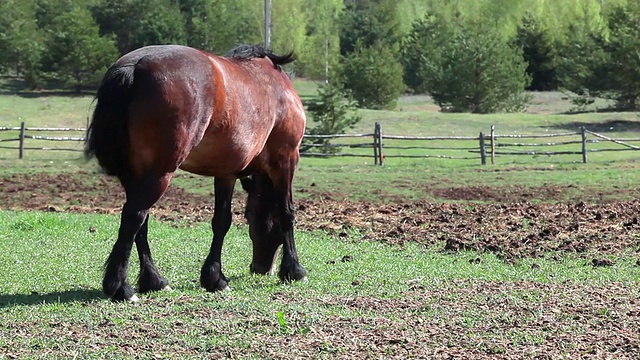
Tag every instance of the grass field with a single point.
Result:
(390, 300)
(365, 298)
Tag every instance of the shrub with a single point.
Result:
(476, 70)
(333, 113)
(374, 76)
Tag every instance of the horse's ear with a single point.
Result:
(247, 183)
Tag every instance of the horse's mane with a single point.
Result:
(248, 52)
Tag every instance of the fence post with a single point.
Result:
(378, 144)
(483, 151)
(583, 131)
(493, 145)
(21, 146)
(375, 144)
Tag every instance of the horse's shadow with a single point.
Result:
(58, 297)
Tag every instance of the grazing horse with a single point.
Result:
(161, 108)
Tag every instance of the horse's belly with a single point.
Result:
(216, 158)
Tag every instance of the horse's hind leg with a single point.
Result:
(149, 278)
(211, 276)
(141, 195)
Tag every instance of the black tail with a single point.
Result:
(107, 137)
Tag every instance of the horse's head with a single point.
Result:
(265, 229)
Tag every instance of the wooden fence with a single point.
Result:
(484, 147)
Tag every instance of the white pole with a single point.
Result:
(267, 24)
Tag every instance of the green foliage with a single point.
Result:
(159, 22)
(333, 113)
(21, 41)
(367, 23)
(219, 25)
(540, 52)
(77, 54)
(421, 50)
(319, 31)
(319, 53)
(609, 67)
(374, 75)
(623, 48)
(475, 70)
(136, 23)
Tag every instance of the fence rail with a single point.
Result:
(482, 147)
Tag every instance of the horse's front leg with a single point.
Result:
(290, 268)
(211, 276)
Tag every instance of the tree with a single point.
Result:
(21, 41)
(219, 25)
(623, 48)
(159, 22)
(374, 76)
(594, 65)
(137, 23)
(421, 50)
(78, 55)
(320, 51)
(333, 113)
(366, 23)
(476, 70)
(540, 52)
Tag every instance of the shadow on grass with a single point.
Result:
(58, 297)
(602, 127)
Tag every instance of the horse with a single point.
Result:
(167, 107)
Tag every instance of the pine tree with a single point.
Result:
(540, 53)
(374, 76)
(333, 112)
(475, 70)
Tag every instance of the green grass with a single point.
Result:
(51, 306)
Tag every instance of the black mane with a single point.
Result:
(248, 52)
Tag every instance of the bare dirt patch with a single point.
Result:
(505, 222)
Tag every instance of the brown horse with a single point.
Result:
(160, 108)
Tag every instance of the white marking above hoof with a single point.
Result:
(227, 288)
(167, 288)
(134, 299)
(305, 279)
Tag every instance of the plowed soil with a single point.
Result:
(499, 220)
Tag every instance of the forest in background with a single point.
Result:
(470, 55)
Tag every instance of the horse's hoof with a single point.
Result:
(133, 299)
(290, 274)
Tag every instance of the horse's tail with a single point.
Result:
(108, 137)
